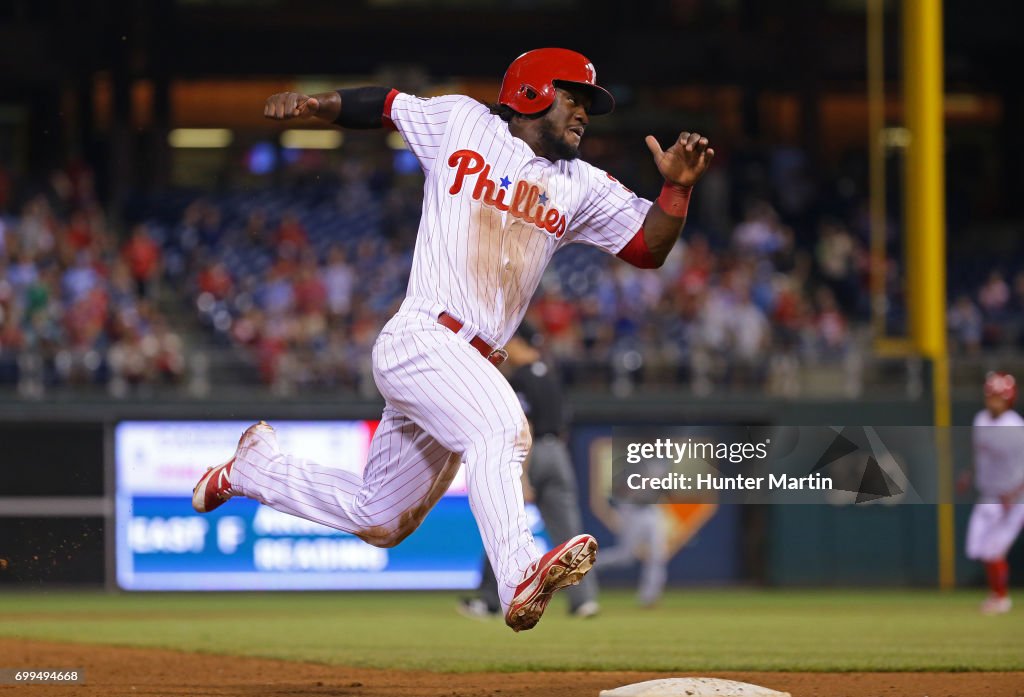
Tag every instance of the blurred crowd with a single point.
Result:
(294, 280)
(299, 279)
(990, 316)
(76, 302)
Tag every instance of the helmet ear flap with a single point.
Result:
(531, 100)
(528, 92)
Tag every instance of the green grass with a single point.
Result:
(692, 630)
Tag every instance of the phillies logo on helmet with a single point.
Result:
(1001, 385)
(528, 203)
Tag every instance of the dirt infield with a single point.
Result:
(113, 671)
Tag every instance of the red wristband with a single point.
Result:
(675, 199)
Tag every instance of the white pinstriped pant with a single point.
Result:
(443, 401)
(992, 529)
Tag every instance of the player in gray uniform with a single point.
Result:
(641, 535)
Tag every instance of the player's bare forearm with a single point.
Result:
(965, 480)
(661, 231)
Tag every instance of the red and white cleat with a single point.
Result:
(563, 566)
(996, 605)
(215, 486)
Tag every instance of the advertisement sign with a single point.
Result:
(162, 544)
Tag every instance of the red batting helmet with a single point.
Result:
(1001, 385)
(529, 83)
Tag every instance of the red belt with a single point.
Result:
(495, 356)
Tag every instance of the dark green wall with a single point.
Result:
(802, 545)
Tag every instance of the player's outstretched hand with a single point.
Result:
(290, 105)
(685, 161)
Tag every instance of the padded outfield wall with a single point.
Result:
(58, 509)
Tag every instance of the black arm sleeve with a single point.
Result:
(362, 107)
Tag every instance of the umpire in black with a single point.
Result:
(550, 481)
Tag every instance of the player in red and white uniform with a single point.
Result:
(504, 191)
(998, 516)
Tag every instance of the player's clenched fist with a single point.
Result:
(685, 161)
(290, 105)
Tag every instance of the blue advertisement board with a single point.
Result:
(162, 544)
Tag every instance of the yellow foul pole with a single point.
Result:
(876, 160)
(926, 236)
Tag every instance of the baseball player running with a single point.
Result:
(504, 191)
(998, 516)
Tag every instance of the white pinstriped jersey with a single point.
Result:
(998, 452)
(494, 212)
